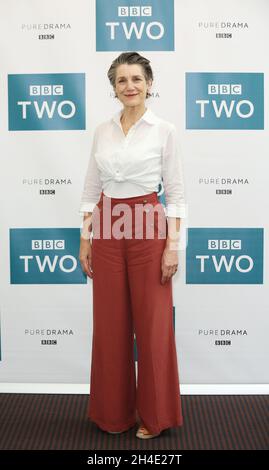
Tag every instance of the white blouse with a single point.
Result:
(135, 164)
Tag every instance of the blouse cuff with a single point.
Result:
(86, 207)
(173, 211)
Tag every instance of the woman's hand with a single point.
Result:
(85, 256)
(169, 264)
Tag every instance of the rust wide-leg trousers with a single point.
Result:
(128, 299)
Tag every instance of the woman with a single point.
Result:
(132, 272)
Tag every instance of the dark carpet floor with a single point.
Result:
(60, 422)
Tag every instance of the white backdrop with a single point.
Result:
(221, 313)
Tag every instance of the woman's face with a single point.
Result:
(130, 84)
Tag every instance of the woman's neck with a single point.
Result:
(130, 115)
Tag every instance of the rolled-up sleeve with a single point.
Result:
(92, 183)
(172, 174)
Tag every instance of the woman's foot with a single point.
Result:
(143, 433)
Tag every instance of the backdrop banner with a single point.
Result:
(209, 61)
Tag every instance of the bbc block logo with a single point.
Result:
(45, 256)
(224, 100)
(224, 256)
(46, 101)
(122, 25)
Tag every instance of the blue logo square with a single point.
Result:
(54, 101)
(224, 256)
(224, 100)
(45, 256)
(131, 25)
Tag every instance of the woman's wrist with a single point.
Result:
(172, 239)
(85, 239)
(172, 244)
(86, 227)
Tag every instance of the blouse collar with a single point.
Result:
(148, 117)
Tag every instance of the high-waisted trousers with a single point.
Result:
(129, 299)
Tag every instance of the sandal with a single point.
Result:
(143, 433)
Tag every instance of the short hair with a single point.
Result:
(130, 58)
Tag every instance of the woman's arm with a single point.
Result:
(172, 239)
(92, 183)
(85, 251)
(90, 196)
(172, 174)
(173, 182)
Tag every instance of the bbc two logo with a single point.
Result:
(46, 101)
(224, 100)
(224, 256)
(45, 256)
(123, 25)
